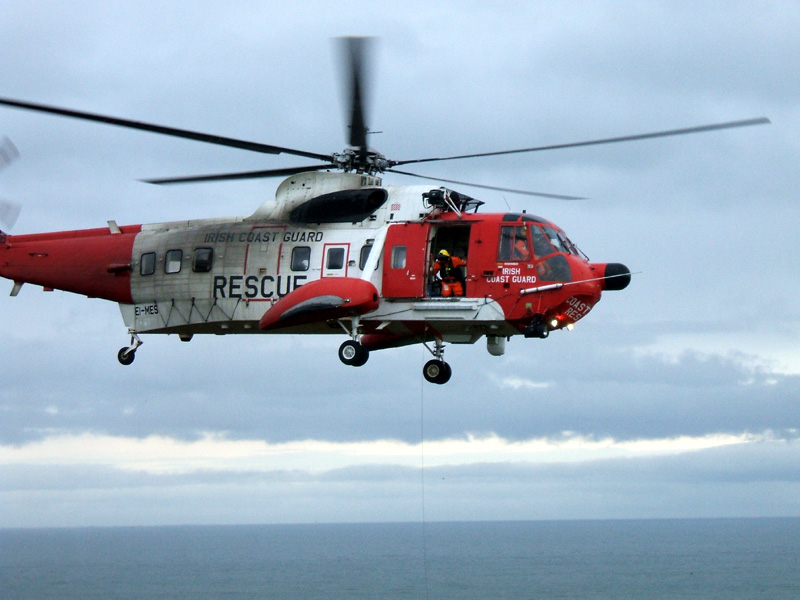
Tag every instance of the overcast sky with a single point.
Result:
(677, 397)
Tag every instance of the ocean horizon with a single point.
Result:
(640, 558)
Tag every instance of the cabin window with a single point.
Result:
(398, 257)
(301, 258)
(147, 264)
(335, 259)
(513, 244)
(202, 260)
(173, 262)
(363, 256)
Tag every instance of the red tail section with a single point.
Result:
(92, 262)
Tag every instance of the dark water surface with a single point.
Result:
(696, 558)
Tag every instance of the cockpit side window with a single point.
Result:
(541, 247)
(513, 244)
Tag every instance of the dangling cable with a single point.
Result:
(422, 475)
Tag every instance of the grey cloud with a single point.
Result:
(752, 463)
(225, 386)
(774, 461)
(68, 477)
(745, 480)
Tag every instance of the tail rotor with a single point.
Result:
(9, 211)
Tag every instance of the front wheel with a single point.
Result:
(437, 371)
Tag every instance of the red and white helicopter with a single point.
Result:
(336, 252)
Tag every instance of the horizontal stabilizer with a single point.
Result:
(322, 300)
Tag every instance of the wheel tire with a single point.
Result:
(437, 371)
(353, 354)
(363, 356)
(125, 356)
(447, 373)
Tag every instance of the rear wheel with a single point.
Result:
(126, 355)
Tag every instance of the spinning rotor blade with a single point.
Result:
(243, 175)
(8, 152)
(490, 187)
(9, 213)
(171, 131)
(356, 49)
(613, 140)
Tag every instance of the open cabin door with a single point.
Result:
(405, 263)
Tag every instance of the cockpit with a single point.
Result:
(537, 241)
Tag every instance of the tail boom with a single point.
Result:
(92, 262)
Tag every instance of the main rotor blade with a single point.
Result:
(171, 131)
(243, 175)
(612, 140)
(490, 187)
(356, 49)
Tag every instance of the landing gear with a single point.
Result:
(353, 353)
(436, 370)
(126, 354)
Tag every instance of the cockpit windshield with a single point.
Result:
(544, 240)
(555, 238)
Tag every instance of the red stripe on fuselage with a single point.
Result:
(92, 262)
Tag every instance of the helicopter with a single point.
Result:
(336, 252)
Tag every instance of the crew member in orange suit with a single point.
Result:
(447, 268)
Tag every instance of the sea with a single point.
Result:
(625, 559)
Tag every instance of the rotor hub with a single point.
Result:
(367, 161)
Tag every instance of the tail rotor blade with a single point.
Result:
(9, 213)
(8, 152)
